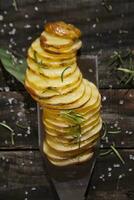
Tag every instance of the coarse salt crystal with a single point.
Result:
(1, 17)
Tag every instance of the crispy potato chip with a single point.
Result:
(48, 62)
(50, 72)
(37, 48)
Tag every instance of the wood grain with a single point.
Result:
(18, 111)
(117, 111)
(103, 30)
(23, 176)
(112, 180)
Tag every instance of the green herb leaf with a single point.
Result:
(15, 5)
(105, 153)
(11, 130)
(12, 65)
(105, 131)
(117, 154)
(6, 126)
(126, 70)
(77, 119)
(74, 117)
(114, 132)
(62, 74)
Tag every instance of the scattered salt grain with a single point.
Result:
(27, 26)
(104, 98)
(109, 169)
(11, 24)
(29, 38)
(90, 70)
(11, 100)
(5, 12)
(131, 157)
(94, 26)
(94, 187)
(12, 32)
(130, 169)
(37, 26)
(1, 17)
(130, 132)
(2, 30)
(33, 188)
(26, 16)
(121, 102)
(6, 89)
(109, 174)
(26, 192)
(5, 142)
(23, 49)
(122, 142)
(36, 8)
(121, 176)
(116, 165)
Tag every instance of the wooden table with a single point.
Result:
(21, 168)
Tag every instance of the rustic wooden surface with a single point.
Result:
(105, 28)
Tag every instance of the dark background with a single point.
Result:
(106, 26)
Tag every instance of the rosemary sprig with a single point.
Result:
(15, 5)
(74, 117)
(123, 63)
(114, 132)
(117, 153)
(77, 119)
(111, 147)
(105, 153)
(106, 6)
(62, 74)
(11, 130)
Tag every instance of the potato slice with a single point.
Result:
(62, 129)
(50, 151)
(70, 135)
(45, 41)
(37, 48)
(63, 122)
(67, 98)
(51, 40)
(48, 62)
(52, 154)
(79, 103)
(68, 147)
(79, 159)
(50, 72)
(40, 94)
(41, 82)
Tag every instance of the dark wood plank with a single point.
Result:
(23, 176)
(117, 110)
(18, 111)
(103, 31)
(112, 180)
(118, 113)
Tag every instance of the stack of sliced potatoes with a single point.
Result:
(71, 104)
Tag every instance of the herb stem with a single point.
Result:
(117, 154)
(62, 74)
